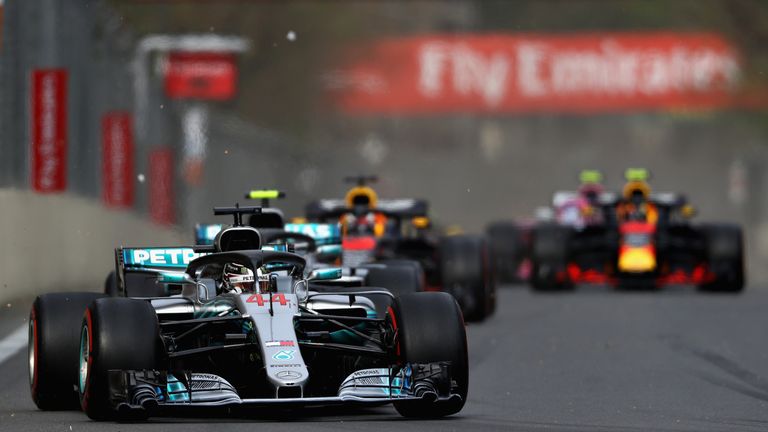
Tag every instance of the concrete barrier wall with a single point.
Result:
(65, 242)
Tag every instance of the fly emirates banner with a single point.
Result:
(498, 73)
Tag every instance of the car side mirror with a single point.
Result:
(328, 253)
(301, 289)
(325, 274)
(688, 211)
(174, 278)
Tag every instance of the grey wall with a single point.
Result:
(65, 243)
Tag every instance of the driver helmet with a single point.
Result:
(237, 278)
(591, 192)
(361, 205)
(636, 191)
(591, 185)
(637, 188)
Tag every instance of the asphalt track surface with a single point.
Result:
(592, 360)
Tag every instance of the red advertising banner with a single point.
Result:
(117, 159)
(161, 198)
(49, 130)
(537, 73)
(206, 76)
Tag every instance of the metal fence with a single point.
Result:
(108, 70)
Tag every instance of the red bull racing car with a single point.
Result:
(376, 230)
(645, 241)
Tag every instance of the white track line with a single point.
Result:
(13, 343)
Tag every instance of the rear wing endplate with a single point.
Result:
(152, 260)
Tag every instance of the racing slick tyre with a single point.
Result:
(507, 250)
(725, 258)
(430, 328)
(54, 333)
(465, 273)
(549, 256)
(116, 334)
(399, 277)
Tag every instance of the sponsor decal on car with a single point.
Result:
(288, 375)
(279, 344)
(284, 355)
(372, 377)
(261, 300)
(372, 381)
(160, 257)
(365, 372)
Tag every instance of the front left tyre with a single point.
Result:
(430, 328)
(466, 273)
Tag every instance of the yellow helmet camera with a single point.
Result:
(265, 195)
(590, 177)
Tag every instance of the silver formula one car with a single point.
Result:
(262, 335)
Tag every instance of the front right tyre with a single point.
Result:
(116, 334)
(507, 250)
(54, 330)
(549, 256)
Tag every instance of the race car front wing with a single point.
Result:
(143, 392)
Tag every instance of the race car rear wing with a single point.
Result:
(323, 234)
(665, 199)
(315, 233)
(325, 209)
(156, 260)
(671, 206)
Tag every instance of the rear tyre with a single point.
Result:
(549, 257)
(507, 250)
(116, 334)
(54, 335)
(110, 285)
(725, 258)
(466, 273)
(137, 284)
(430, 328)
(399, 277)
